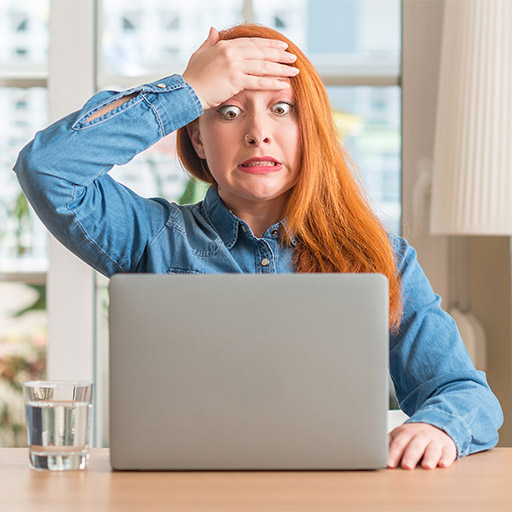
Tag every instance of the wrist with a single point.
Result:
(192, 85)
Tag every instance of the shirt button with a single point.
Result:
(265, 262)
(162, 86)
(244, 229)
(274, 232)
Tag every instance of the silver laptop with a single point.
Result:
(248, 372)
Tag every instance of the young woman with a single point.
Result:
(253, 119)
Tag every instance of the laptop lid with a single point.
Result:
(248, 372)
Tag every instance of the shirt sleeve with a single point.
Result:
(63, 172)
(434, 377)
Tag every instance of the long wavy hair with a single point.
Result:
(328, 214)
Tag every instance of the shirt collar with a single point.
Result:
(226, 223)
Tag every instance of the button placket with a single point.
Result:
(265, 258)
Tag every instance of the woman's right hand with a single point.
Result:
(218, 70)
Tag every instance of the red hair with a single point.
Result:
(327, 213)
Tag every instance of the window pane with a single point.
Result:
(368, 119)
(24, 33)
(359, 31)
(23, 338)
(23, 239)
(338, 32)
(158, 35)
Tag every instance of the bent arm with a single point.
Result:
(63, 171)
(435, 380)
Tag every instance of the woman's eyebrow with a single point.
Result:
(286, 93)
(281, 97)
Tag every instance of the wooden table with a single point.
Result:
(480, 482)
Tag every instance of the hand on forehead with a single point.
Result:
(221, 69)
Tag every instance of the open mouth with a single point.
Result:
(261, 163)
(255, 166)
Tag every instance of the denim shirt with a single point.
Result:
(64, 174)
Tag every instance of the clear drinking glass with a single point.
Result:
(58, 423)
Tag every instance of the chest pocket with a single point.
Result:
(196, 241)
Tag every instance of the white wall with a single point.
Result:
(488, 258)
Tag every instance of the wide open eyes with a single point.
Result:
(281, 108)
(230, 112)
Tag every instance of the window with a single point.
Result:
(172, 21)
(370, 130)
(23, 239)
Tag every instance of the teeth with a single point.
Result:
(263, 163)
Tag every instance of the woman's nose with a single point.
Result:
(257, 133)
(254, 140)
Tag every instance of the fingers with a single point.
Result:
(260, 61)
(272, 69)
(432, 456)
(267, 84)
(261, 64)
(249, 47)
(415, 442)
(259, 42)
(264, 54)
(398, 442)
(414, 451)
(448, 456)
(213, 35)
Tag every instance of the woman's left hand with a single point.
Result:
(411, 442)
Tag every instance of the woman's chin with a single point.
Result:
(254, 195)
(265, 194)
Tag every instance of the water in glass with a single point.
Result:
(57, 434)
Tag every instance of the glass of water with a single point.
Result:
(58, 423)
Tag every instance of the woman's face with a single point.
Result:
(251, 144)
